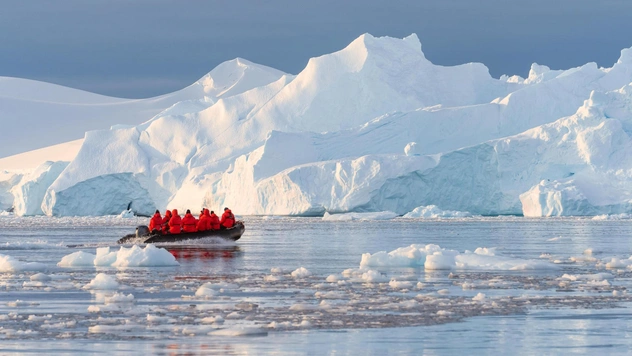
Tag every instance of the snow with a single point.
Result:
(433, 257)
(135, 256)
(433, 212)
(372, 128)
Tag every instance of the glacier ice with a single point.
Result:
(373, 127)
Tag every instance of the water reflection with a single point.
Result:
(204, 253)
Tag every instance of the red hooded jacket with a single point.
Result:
(189, 224)
(205, 221)
(175, 223)
(228, 219)
(214, 221)
(165, 222)
(156, 222)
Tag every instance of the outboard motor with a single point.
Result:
(142, 231)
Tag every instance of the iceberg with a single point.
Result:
(433, 212)
(373, 127)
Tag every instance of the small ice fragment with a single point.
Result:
(301, 272)
(102, 282)
(40, 277)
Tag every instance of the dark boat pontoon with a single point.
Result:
(143, 235)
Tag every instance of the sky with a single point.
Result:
(142, 48)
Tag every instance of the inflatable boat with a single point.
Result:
(143, 235)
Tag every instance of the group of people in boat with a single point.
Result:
(172, 223)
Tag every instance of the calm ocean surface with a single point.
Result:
(260, 308)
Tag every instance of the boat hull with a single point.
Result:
(233, 234)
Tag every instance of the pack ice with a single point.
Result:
(373, 127)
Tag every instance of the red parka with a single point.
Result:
(205, 221)
(228, 219)
(156, 222)
(214, 221)
(189, 224)
(165, 222)
(175, 223)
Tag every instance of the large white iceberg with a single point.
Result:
(373, 127)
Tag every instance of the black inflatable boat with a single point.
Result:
(143, 235)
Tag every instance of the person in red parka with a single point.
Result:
(214, 221)
(156, 222)
(175, 223)
(205, 221)
(228, 219)
(189, 224)
(165, 222)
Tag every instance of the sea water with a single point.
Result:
(296, 285)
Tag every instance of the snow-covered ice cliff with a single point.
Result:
(372, 127)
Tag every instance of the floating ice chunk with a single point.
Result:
(197, 329)
(443, 291)
(39, 318)
(205, 291)
(444, 313)
(279, 325)
(588, 252)
(303, 307)
(382, 215)
(433, 212)
(332, 278)
(8, 264)
(373, 276)
(77, 259)
(150, 256)
(329, 295)
(113, 329)
(212, 289)
(243, 331)
(301, 272)
(105, 257)
(17, 303)
(480, 297)
(433, 257)
(613, 217)
(617, 263)
(400, 284)
(102, 282)
(156, 319)
(485, 251)
(441, 260)
(40, 277)
(586, 277)
(276, 270)
(245, 306)
(273, 278)
(119, 298)
(212, 320)
(603, 283)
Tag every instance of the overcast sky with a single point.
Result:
(142, 48)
